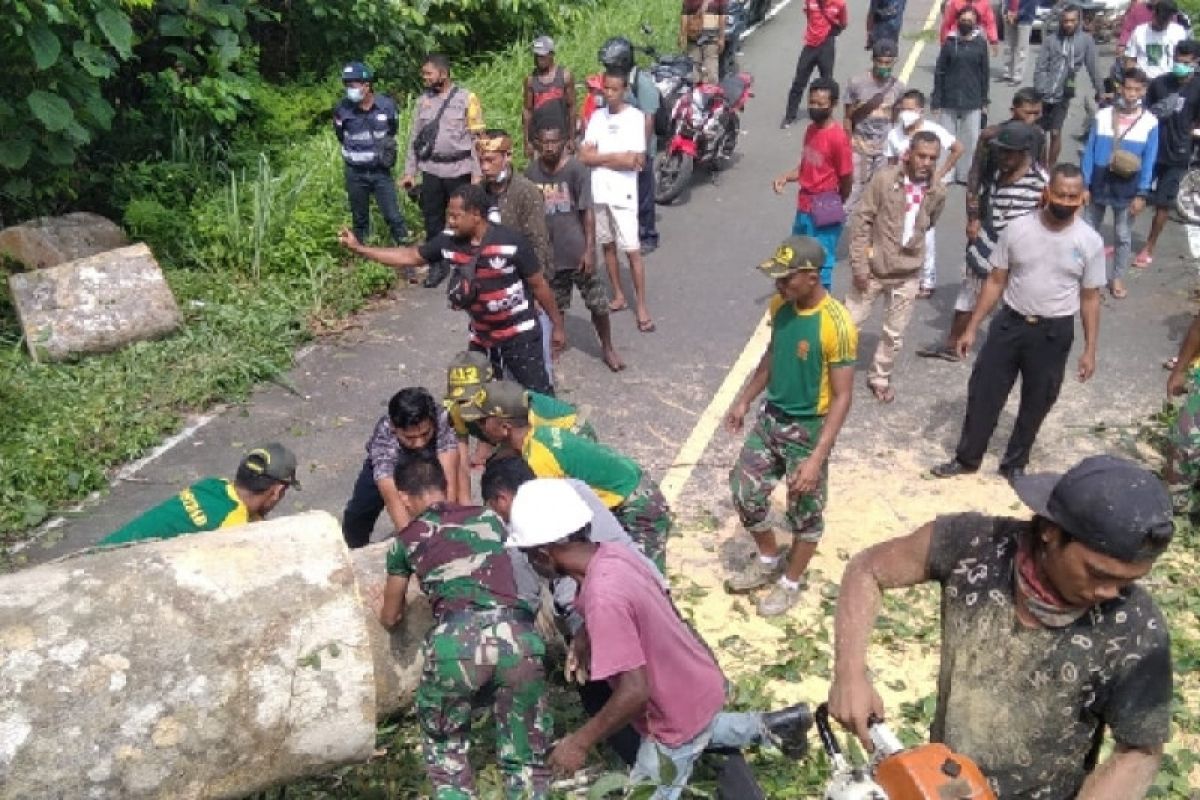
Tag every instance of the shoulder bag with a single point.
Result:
(426, 138)
(1123, 165)
(864, 110)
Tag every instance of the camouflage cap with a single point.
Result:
(468, 371)
(796, 253)
(503, 399)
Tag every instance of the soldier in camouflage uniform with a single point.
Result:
(808, 373)
(1183, 468)
(502, 410)
(483, 643)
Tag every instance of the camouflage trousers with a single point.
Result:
(1185, 438)
(471, 660)
(773, 450)
(647, 518)
(595, 296)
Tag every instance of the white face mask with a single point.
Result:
(355, 94)
(909, 118)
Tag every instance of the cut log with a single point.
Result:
(94, 304)
(212, 665)
(50, 241)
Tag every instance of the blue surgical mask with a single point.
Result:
(355, 94)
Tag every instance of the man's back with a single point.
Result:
(206, 505)
(457, 553)
(557, 453)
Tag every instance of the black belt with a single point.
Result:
(775, 412)
(449, 158)
(490, 616)
(1033, 319)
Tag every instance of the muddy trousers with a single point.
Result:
(1036, 348)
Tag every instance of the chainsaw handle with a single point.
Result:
(828, 740)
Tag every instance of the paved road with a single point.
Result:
(707, 299)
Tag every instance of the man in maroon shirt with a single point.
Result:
(826, 19)
(665, 681)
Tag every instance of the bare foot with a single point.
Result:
(617, 304)
(613, 361)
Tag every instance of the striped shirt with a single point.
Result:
(1002, 203)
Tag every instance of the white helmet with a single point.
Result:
(545, 510)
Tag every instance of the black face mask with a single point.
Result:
(965, 29)
(819, 115)
(1061, 213)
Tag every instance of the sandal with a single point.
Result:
(613, 307)
(924, 294)
(646, 326)
(1171, 363)
(1118, 291)
(884, 394)
(1143, 260)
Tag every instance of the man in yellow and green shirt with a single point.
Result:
(263, 477)
(808, 374)
(501, 408)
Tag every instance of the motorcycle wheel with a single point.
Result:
(730, 139)
(1188, 199)
(672, 172)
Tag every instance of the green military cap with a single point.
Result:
(468, 371)
(503, 399)
(795, 254)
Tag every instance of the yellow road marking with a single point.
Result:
(684, 463)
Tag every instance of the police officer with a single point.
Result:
(365, 123)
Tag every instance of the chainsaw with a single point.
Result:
(926, 772)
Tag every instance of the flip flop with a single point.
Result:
(1143, 260)
(1171, 363)
(1118, 292)
(884, 394)
(646, 326)
(613, 308)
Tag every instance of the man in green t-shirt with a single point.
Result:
(808, 374)
(502, 410)
(263, 477)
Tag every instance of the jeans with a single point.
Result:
(727, 729)
(827, 236)
(361, 185)
(964, 126)
(647, 227)
(1016, 44)
(1122, 230)
(819, 58)
(547, 349)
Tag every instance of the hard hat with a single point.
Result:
(546, 510)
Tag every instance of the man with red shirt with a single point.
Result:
(825, 175)
(987, 20)
(665, 681)
(826, 19)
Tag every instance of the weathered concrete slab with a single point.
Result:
(94, 304)
(50, 241)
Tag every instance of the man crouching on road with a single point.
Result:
(665, 682)
(483, 642)
(808, 374)
(1046, 639)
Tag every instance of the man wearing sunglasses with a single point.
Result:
(1046, 638)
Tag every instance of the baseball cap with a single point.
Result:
(794, 254)
(545, 510)
(467, 372)
(1015, 135)
(503, 399)
(1108, 504)
(272, 460)
(356, 71)
(543, 46)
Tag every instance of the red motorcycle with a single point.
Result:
(704, 133)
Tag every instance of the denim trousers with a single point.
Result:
(1122, 231)
(727, 729)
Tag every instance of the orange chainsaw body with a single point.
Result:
(931, 772)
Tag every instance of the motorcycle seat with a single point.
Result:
(732, 86)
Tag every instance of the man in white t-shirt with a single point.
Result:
(614, 146)
(910, 113)
(1153, 43)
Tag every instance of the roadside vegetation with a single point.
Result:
(203, 128)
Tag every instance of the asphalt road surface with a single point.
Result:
(707, 300)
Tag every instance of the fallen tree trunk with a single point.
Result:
(211, 665)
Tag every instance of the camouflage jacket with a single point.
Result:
(458, 555)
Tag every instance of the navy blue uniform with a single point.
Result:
(368, 140)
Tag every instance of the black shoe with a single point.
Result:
(1010, 474)
(786, 123)
(437, 274)
(952, 469)
(648, 246)
(791, 726)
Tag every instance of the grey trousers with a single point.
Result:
(964, 126)
(1016, 48)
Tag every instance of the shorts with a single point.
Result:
(594, 295)
(968, 292)
(1054, 115)
(619, 225)
(1166, 184)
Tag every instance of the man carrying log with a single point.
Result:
(483, 641)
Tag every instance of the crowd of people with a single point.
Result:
(570, 527)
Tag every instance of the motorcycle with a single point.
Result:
(705, 123)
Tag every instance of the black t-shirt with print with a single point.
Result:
(1030, 705)
(502, 310)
